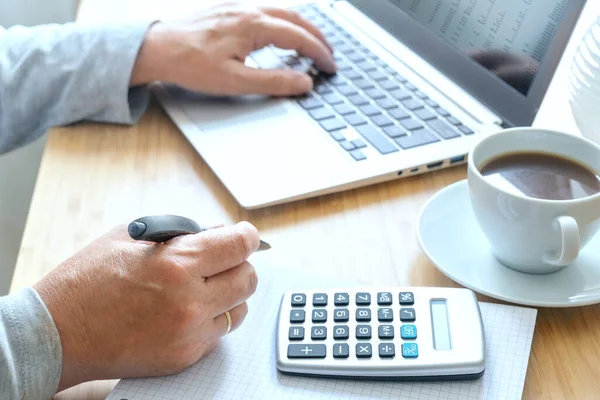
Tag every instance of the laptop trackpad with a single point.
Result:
(214, 112)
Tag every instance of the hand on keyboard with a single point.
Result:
(206, 53)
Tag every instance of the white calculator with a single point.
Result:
(414, 333)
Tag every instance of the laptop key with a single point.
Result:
(321, 88)
(345, 48)
(369, 110)
(375, 93)
(354, 119)
(445, 130)
(373, 136)
(377, 75)
(336, 80)
(421, 95)
(343, 109)
(454, 121)
(353, 74)
(394, 131)
(358, 100)
(338, 135)
(410, 86)
(333, 98)
(347, 90)
(400, 94)
(386, 103)
(431, 103)
(366, 66)
(417, 138)
(332, 124)
(359, 143)
(363, 84)
(348, 146)
(381, 120)
(412, 104)
(321, 113)
(358, 155)
(411, 124)
(309, 102)
(466, 130)
(443, 112)
(343, 65)
(399, 113)
(388, 84)
(356, 57)
(425, 114)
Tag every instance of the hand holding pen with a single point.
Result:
(129, 307)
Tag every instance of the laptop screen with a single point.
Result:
(504, 52)
(510, 38)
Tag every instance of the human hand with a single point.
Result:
(126, 308)
(206, 53)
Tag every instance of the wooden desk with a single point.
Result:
(95, 176)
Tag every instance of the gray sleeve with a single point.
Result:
(30, 349)
(54, 75)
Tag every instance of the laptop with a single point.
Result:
(419, 83)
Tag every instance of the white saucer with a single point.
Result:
(452, 239)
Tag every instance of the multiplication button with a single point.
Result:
(364, 350)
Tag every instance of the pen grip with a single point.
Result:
(161, 228)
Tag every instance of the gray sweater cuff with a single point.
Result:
(30, 348)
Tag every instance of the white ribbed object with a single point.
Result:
(584, 84)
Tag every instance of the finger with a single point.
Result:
(218, 325)
(285, 35)
(295, 18)
(231, 288)
(215, 250)
(275, 82)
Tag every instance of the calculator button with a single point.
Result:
(408, 332)
(341, 350)
(410, 350)
(407, 298)
(385, 314)
(298, 299)
(342, 299)
(319, 315)
(341, 332)
(363, 331)
(319, 299)
(363, 314)
(407, 314)
(363, 299)
(363, 350)
(318, 333)
(341, 315)
(384, 298)
(296, 333)
(387, 350)
(307, 351)
(386, 332)
(297, 316)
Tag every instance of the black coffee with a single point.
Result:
(541, 176)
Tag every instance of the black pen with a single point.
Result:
(161, 228)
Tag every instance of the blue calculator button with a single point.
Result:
(408, 332)
(410, 350)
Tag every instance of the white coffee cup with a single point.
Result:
(529, 234)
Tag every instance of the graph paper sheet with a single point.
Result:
(243, 366)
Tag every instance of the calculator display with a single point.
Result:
(441, 329)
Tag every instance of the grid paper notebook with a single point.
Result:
(243, 366)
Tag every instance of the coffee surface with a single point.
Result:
(541, 176)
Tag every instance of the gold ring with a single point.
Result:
(228, 316)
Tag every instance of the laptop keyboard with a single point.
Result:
(367, 96)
